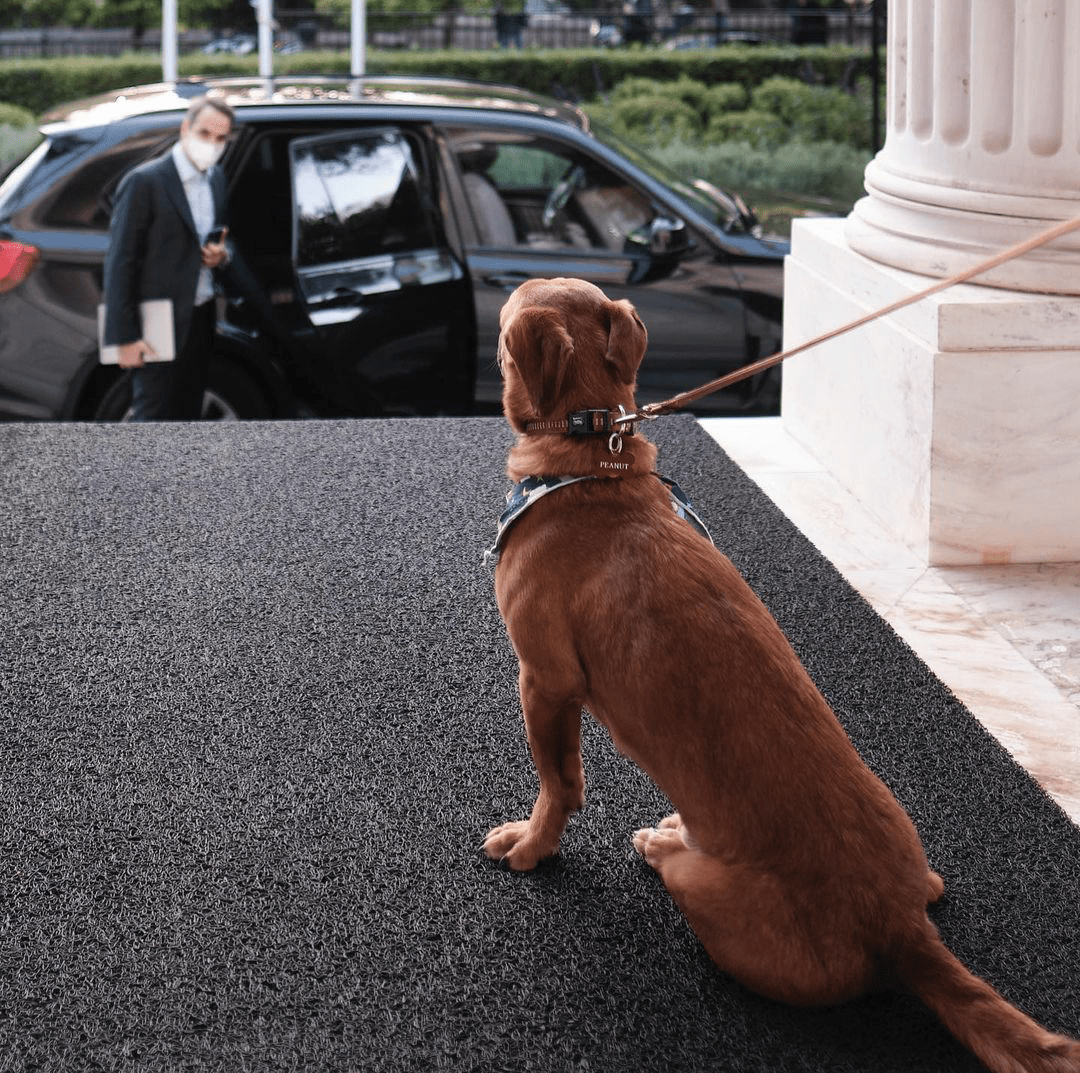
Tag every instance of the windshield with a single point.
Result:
(727, 212)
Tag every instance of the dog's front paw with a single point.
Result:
(513, 844)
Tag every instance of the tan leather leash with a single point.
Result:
(658, 409)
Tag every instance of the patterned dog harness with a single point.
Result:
(526, 492)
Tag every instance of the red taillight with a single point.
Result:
(17, 261)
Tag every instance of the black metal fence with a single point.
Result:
(636, 21)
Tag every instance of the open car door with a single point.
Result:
(387, 299)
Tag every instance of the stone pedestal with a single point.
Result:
(955, 421)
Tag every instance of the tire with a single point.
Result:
(231, 395)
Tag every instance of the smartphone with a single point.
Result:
(216, 235)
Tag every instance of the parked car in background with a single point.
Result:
(685, 42)
(234, 45)
(377, 236)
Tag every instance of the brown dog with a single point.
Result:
(792, 861)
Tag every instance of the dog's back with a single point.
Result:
(696, 683)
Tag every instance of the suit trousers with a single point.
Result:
(173, 390)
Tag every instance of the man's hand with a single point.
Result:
(133, 355)
(214, 254)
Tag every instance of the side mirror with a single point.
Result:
(668, 237)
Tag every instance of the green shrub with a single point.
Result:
(824, 171)
(706, 101)
(15, 143)
(18, 135)
(814, 113)
(780, 110)
(659, 118)
(11, 115)
(762, 130)
(725, 97)
(630, 88)
(781, 96)
(690, 91)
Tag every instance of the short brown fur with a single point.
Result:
(796, 867)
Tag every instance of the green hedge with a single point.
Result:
(11, 115)
(779, 111)
(39, 85)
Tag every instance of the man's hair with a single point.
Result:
(206, 101)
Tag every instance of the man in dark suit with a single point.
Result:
(165, 239)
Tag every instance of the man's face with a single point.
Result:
(209, 125)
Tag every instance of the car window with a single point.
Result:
(260, 204)
(358, 195)
(13, 175)
(85, 199)
(542, 194)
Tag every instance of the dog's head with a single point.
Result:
(564, 346)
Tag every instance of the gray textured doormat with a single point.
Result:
(259, 710)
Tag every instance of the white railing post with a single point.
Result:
(358, 42)
(264, 17)
(169, 46)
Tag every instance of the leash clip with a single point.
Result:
(623, 423)
(628, 419)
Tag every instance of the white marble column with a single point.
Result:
(957, 420)
(982, 142)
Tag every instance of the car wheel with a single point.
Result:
(230, 396)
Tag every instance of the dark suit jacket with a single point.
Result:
(154, 250)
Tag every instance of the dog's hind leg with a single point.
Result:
(554, 729)
(746, 924)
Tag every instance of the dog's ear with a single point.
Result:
(541, 349)
(627, 339)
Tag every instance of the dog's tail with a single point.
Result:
(1006, 1040)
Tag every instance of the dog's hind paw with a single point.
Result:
(656, 843)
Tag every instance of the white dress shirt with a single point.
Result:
(201, 201)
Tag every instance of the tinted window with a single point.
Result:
(542, 194)
(85, 199)
(13, 175)
(357, 196)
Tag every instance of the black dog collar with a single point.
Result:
(587, 423)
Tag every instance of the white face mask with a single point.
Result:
(202, 154)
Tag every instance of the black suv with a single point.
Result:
(379, 229)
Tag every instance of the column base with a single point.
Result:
(954, 421)
(937, 230)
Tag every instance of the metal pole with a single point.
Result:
(358, 41)
(169, 45)
(264, 16)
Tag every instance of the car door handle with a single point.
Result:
(508, 281)
(322, 318)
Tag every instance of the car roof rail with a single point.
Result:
(189, 88)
